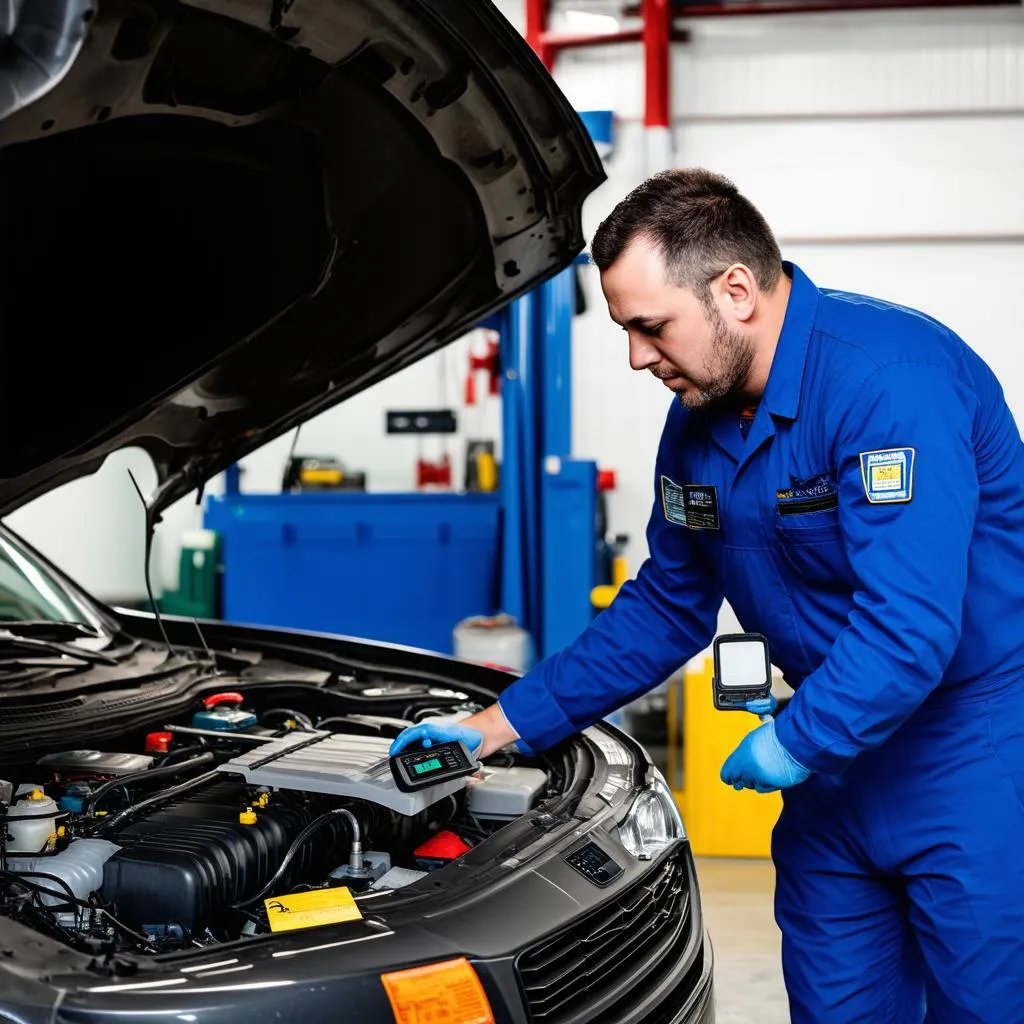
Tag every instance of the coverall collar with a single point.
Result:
(782, 393)
(785, 378)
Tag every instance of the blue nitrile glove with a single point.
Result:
(763, 706)
(762, 763)
(426, 734)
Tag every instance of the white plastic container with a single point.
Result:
(80, 865)
(40, 822)
(494, 640)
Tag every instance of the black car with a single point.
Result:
(219, 218)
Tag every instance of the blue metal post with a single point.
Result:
(525, 324)
(233, 479)
(513, 548)
(559, 299)
(569, 493)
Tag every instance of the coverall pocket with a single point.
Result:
(812, 545)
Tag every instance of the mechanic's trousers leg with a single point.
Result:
(848, 955)
(916, 855)
(959, 839)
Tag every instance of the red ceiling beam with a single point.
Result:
(715, 10)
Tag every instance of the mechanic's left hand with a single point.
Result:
(764, 706)
(426, 734)
(762, 763)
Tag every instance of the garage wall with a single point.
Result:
(886, 148)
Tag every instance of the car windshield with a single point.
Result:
(30, 593)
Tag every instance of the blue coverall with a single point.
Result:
(871, 525)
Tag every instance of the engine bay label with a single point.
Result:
(448, 991)
(311, 909)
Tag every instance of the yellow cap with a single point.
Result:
(263, 799)
(247, 817)
(486, 472)
(37, 794)
(61, 831)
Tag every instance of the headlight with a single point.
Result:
(653, 822)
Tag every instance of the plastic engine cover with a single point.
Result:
(336, 763)
(190, 860)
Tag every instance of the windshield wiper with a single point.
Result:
(12, 643)
(49, 629)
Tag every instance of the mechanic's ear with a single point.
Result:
(736, 292)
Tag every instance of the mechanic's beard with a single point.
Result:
(725, 371)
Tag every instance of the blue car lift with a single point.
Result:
(549, 562)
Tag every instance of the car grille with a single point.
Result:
(613, 948)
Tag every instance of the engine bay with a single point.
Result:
(181, 836)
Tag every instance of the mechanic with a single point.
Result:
(868, 518)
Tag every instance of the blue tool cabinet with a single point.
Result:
(402, 568)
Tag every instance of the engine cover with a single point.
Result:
(188, 861)
(337, 763)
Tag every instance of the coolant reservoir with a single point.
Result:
(38, 821)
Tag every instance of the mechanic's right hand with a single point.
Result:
(426, 734)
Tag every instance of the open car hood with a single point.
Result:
(220, 217)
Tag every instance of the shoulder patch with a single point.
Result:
(888, 475)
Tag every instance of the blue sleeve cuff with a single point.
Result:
(534, 714)
(830, 759)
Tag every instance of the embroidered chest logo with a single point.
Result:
(815, 494)
(691, 505)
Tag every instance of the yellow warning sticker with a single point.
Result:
(445, 993)
(311, 909)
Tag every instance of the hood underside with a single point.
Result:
(228, 216)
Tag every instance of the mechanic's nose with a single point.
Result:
(642, 354)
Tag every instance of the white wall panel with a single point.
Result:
(913, 176)
(866, 62)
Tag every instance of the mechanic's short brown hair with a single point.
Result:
(701, 223)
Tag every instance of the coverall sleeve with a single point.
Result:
(909, 558)
(656, 623)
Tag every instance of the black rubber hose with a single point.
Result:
(14, 818)
(18, 877)
(341, 812)
(164, 771)
(109, 824)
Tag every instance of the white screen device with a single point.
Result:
(743, 670)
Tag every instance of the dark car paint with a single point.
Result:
(231, 216)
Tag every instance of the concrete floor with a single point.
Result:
(737, 900)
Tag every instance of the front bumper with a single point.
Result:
(636, 955)
(641, 956)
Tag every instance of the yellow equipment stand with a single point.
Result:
(720, 821)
